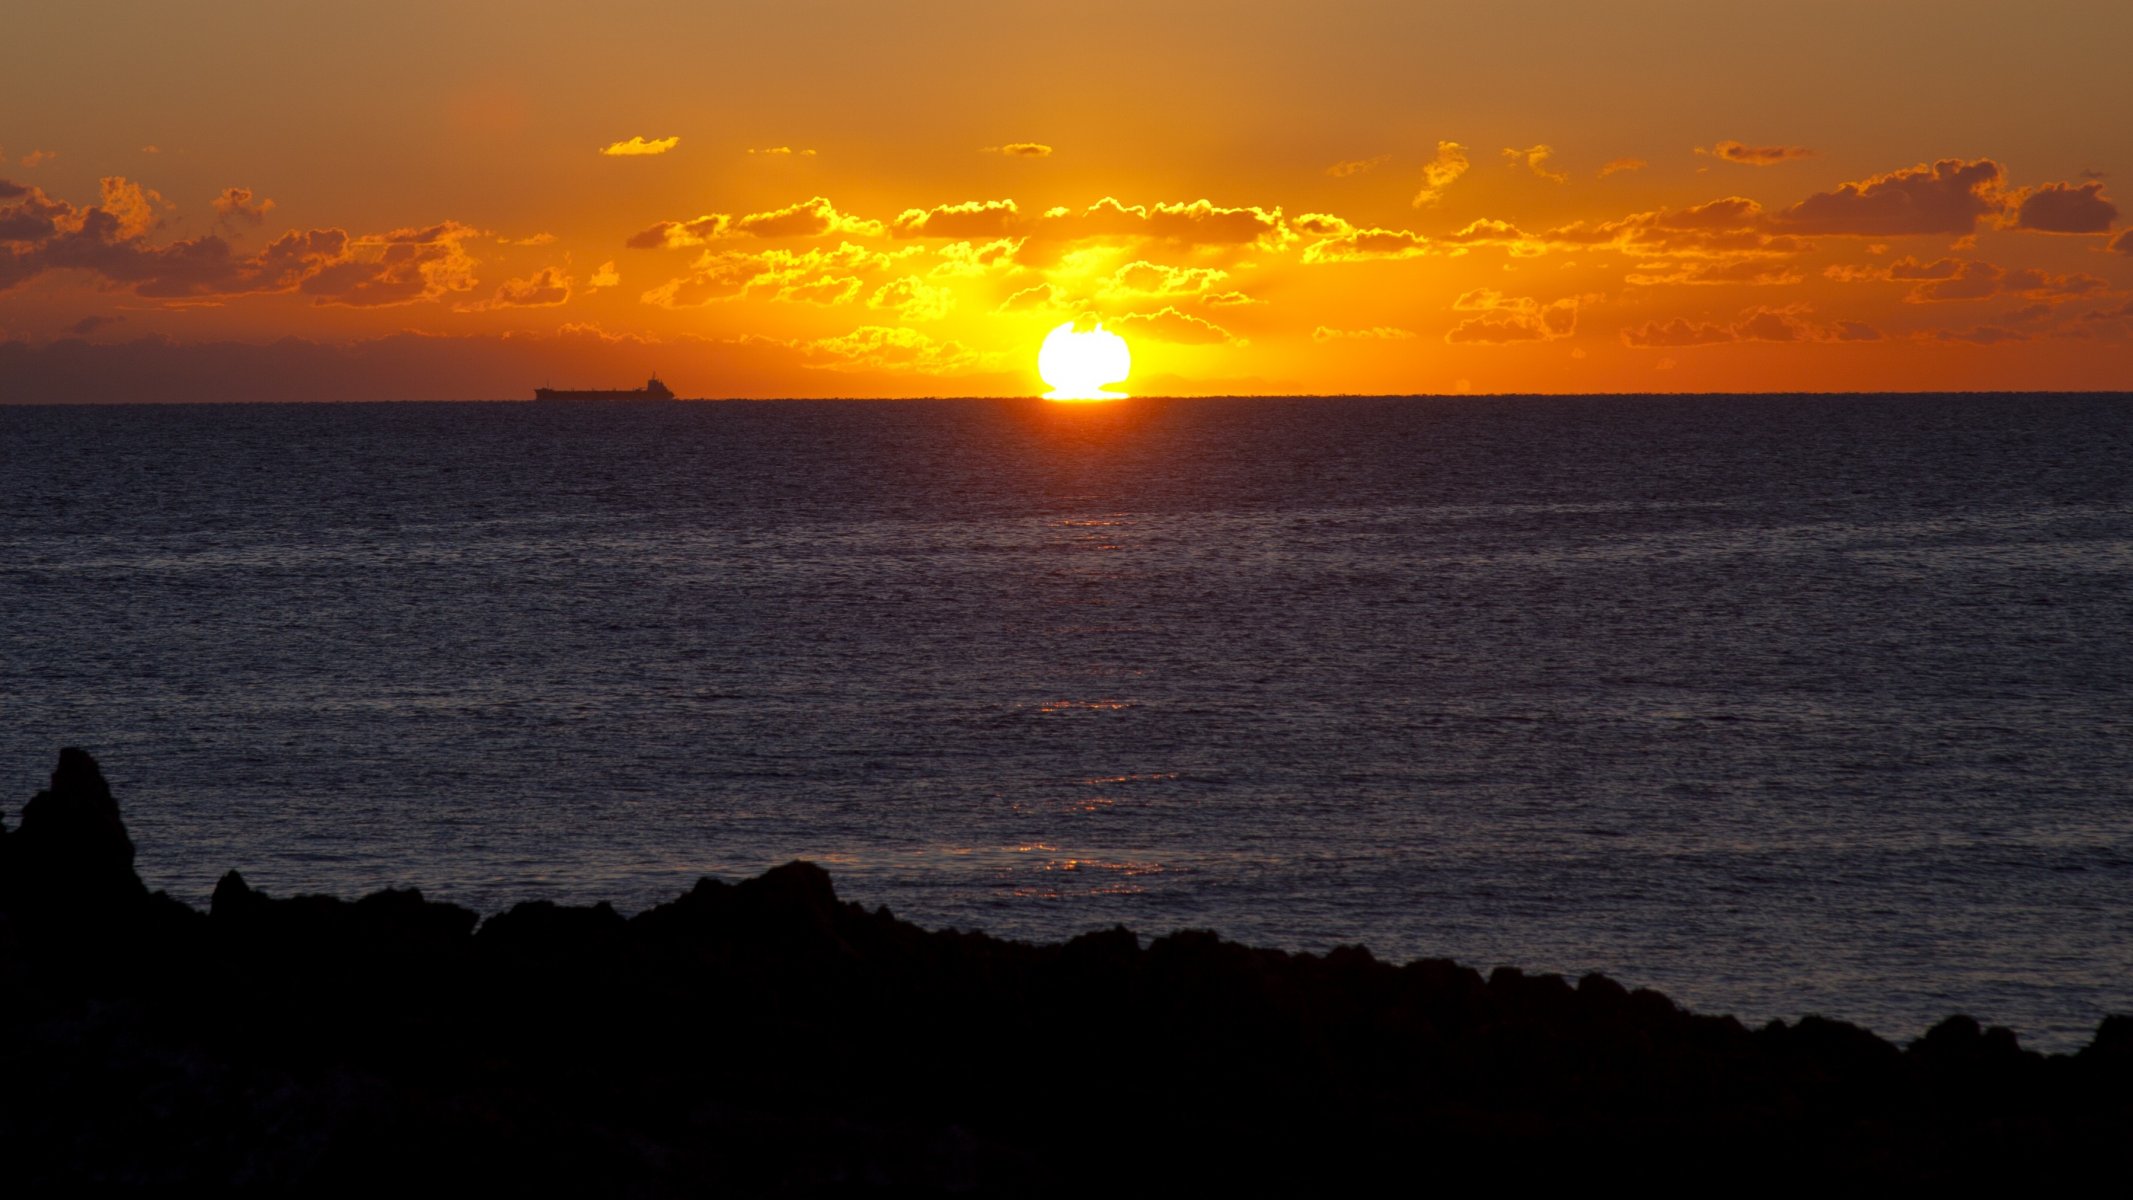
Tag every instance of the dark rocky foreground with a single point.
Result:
(764, 1037)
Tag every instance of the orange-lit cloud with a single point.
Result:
(547, 288)
(912, 299)
(1042, 297)
(1358, 245)
(1755, 325)
(1357, 166)
(2065, 208)
(1146, 279)
(1169, 325)
(605, 276)
(808, 218)
(638, 146)
(896, 350)
(1755, 156)
(1505, 319)
(1949, 197)
(1614, 165)
(1376, 333)
(1440, 173)
(1952, 279)
(970, 259)
(970, 219)
(2123, 243)
(400, 267)
(1752, 272)
(782, 152)
(1020, 150)
(1535, 159)
(37, 158)
(237, 207)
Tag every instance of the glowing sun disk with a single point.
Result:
(1079, 364)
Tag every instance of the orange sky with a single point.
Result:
(866, 199)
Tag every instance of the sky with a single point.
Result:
(833, 198)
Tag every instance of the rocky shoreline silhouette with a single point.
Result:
(766, 1037)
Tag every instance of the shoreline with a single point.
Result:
(765, 1035)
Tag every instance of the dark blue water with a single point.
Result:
(1781, 704)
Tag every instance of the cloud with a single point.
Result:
(1505, 319)
(1229, 300)
(399, 267)
(546, 288)
(1170, 325)
(1949, 197)
(1755, 325)
(970, 219)
(827, 291)
(1982, 335)
(881, 348)
(1755, 156)
(151, 149)
(1754, 272)
(808, 218)
(1732, 227)
(1360, 245)
(1950, 279)
(531, 239)
(37, 158)
(1535, 159)
(2065, 208)
(1147, 279)
(1043, 297)
(1376, 333)
(1614, 165)
(605, 277)
(912, 299)
(237, 207)
(2123, 243)
(781, 152)
(1440, 173)
(110, 240)
(718, 275)
(1357, 166)
(1020, 150)
(966, 259)
(90, 324)
(1190, 223)
(637, 146)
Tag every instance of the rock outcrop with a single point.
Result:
(766, 1036)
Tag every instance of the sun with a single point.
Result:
(1079, 364)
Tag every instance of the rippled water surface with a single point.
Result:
(1780, 704)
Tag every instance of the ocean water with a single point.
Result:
(1781, 704)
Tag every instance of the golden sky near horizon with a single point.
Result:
(840, 198)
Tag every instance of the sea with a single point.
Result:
(1782, 704)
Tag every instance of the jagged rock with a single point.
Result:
(70, 862)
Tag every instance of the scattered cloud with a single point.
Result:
(1440, 173)
(913, 299)
(809, 218)
(1754, 156)
(1949, 197)
(531, 239)
(970, 219)
(151, 149)
(1042, 297)
(1950, 279)
(1169, 325)
(637, 147)
(604, 277)
(1535, 159)
(1753, 272)
(236, 207)
(1790, 324)
(1615, 165)
(1359, 245)
(881, 348)
(38, 158)
(1981, 335)
(1505, 319)
(546, 288)
(110, 240)
(90, 324)
(1229, 300)
(827, 291)
(1020, 150)
(781, 152)
(968, 259)
(1147, 279)
(1376, 333)
(2123, 243)
(1357, 166)
(2066, 208)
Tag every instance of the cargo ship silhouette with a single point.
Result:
(652, 390)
